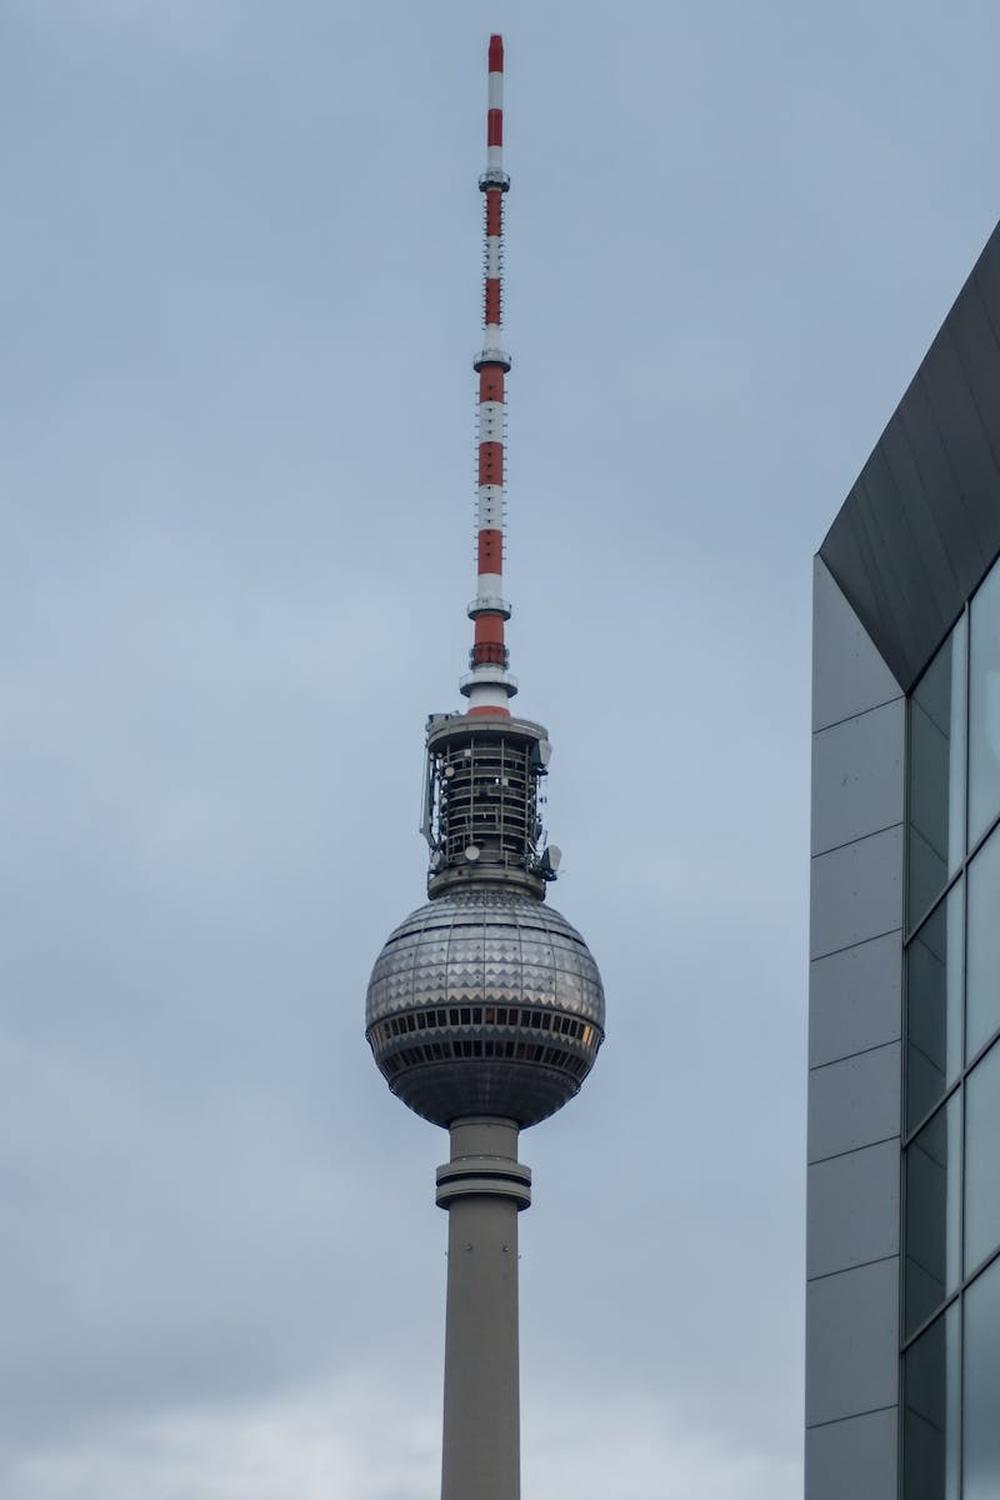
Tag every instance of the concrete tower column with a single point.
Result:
(483, 1187)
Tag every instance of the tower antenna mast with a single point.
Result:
(489, 685)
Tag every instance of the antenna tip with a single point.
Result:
(496, 53)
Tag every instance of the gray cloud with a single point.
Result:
(240, 297)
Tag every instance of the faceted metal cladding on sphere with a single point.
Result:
(485, 1002)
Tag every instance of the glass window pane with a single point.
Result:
(936, 835)
(934, 1007)
(982, 1384)
(933, 1188)
(984, 716)
(982, 1162)
(931, 1429)
(983, 1002)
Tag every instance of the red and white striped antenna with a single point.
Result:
(489, 686)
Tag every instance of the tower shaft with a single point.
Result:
(483, 1188)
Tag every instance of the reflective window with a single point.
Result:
(983, 1002)
(937, 775)
(934, 1007)
(931, 1426)
(933, 1197)
(951, 1163)
(981, 1394)
(982, 1163)
(984, 708)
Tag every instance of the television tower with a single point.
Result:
(485, 1009)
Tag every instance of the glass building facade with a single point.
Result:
(903, 1198)
(951, 1133)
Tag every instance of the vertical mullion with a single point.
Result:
(960, 1372)
(904, 1026)
(963, 1029)
(965, 835)
(904, 1108)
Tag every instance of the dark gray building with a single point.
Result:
(903, 1251)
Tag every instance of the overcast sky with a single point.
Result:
(241, 264)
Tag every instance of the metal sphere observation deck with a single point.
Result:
(485, 1002)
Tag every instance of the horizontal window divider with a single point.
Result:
(815, 1161)
(860, 1265)
(873, 834)
(861, 839)
(852, 1416)
(946, 890)
(978, 1056)
(846, 947)
(863, 714)
(978, 1270)
(982, 839)
(939, 1312)
(861, 1052)
(952, 1089)
(952, 1298)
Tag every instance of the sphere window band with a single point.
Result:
(384, 1036)
(477, 1015)
(415, 1057)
